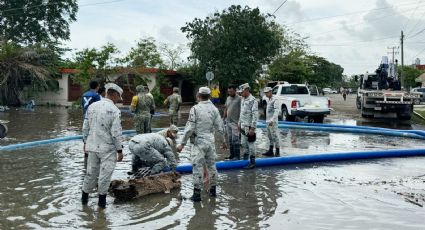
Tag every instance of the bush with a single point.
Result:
(158, 97)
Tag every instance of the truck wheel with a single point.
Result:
(318, 119)
(286, 116)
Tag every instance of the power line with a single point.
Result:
(347, 14)
(408, 19)
(352, 43)
(279, 6)
(421, 31)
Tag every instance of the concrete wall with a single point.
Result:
(60, 97)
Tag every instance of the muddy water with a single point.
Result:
(40, 187)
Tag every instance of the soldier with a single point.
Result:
(142, 105)
(248, 124)
(173, 101)
(272, 113)
(153, 150)
(231, 115)
(203, 119)
(102, 134)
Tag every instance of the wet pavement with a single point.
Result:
(40, 187)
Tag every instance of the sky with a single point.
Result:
(354, 34)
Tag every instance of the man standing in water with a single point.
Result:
(248, 124)
(203, 119)
(231, 115)
(102, 134)
(90, 96)
(174, 101)
(141, 106)
(272, 113)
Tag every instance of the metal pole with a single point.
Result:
(402, 59)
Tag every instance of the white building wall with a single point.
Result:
(58, 98)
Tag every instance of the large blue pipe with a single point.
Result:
(348, 130)
(418, 132)
(311, 158)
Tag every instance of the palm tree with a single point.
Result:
(24, 68)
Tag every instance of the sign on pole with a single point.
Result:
(209, 76)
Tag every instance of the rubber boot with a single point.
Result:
(196, 197)
(251, 164)
(277, 153)
(245, 156)
(213, 191)
(84, 198)
(232, 153)
(102, 201)
(237, 152)
(270, 152)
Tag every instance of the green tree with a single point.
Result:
(29, 68)
(324, 73)
(96, 63)
(234, 43)
(28, 22)
(293, 68)
(409, 75)
(145, 54)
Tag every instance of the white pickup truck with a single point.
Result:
(300, 100)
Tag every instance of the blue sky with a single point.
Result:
(354, 34)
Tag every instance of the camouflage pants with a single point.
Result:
(142, 123)
(249, 147)
(203, 154)
(146, 156)
(174, 116)
(100, 167)
(273, 134)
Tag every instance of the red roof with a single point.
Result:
(420, 67)
(125, 70)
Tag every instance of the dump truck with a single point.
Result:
(380, 94)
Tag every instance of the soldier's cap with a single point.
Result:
(176, 89)
(140, 88)
(115, 87)
(174, 130)
(267, 89)
(244, 86)
(204, 90)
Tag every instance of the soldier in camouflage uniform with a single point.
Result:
(204, 118)
(154, 151)
(102, 134)
(248, 123)
(142, 105)
(272, 113)
(173, 101)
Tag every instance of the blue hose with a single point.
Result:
(313, 158)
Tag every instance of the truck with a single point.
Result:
(380, 95)
(300, 100)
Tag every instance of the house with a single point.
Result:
(69, 91)
(421, 80)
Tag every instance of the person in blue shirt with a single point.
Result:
(90, 96)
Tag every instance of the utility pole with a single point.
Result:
(393, 52)
(402, 59)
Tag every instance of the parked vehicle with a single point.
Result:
(419, 90)
(300, 100)
(329, 90)
(380, 94)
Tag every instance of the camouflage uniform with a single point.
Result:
(272, 113)
(152, 150)
(248, 119)
(203, 119)
(142, 111)
(102, 134)
(174, 101)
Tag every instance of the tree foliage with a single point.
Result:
(28, 22)
(234, 43)
(409, 75)
(145, 54)
(29, 68)
(172, 54)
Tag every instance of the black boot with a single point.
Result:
(84, 198)
(237, 152)
(196, 195)
(245, 156)
(102, 201)
(232, 153)
(213, 191)
(251, 164)
(270, 152)
(277, 153)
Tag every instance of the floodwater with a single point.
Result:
(40, 187)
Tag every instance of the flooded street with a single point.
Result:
(40, 187)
